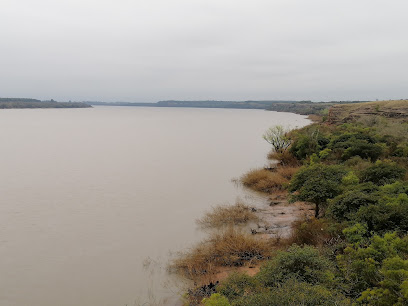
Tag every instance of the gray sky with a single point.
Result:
(149, 50)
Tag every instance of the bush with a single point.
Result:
(364, 150)
(310, 141)
(216, 299)
(345, 205)
(238, 285)
(390, 214)
(301, 263)
(382, 173)
(359, 143)
(314, 232)
(295, 293)
(366, 266)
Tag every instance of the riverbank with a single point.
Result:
(352, 172)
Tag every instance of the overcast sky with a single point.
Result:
(150, 50)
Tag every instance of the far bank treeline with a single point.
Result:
(297, 107)
(355, 249)
(7, 103)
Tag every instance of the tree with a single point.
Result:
(317, 183)
(278, 137)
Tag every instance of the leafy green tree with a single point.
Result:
(317, 183)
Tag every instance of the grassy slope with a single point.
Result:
(397, 109)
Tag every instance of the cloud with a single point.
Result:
(184, 49)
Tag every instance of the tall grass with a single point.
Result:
(223, 215)
(266, 180)
(285, 158)
(227, 248)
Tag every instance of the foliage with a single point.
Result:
(294, 293)
(308, 142)
(278, 137)
(216, 299)
(344, 206)
(390, 214)
(302, 263)
(359, 248)
(238, 285)
(313, 231)
(383, 172)
(317, 183)
(375, 265)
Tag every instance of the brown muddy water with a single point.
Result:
(93, 201)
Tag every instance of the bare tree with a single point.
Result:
(278, 137)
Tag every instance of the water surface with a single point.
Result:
(87, 195)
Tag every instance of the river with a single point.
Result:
(92, 201)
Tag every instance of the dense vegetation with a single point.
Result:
(355, 249)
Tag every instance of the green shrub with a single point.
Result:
(344, 206)
(216, 299)
(301, 263)
(382, 173)
(238, 285)
(390, 214)
(366, 266)
(295, 293)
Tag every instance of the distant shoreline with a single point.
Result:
(14, 103)
(297, 107)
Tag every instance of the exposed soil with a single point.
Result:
(277, 217)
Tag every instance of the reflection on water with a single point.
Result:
(89, 195)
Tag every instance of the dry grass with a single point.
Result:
(264, 180)
(269, 180)
(316, 232)
(223, 215)
(395, 109)
(284, 159)
(227, 248)
(287, 172)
